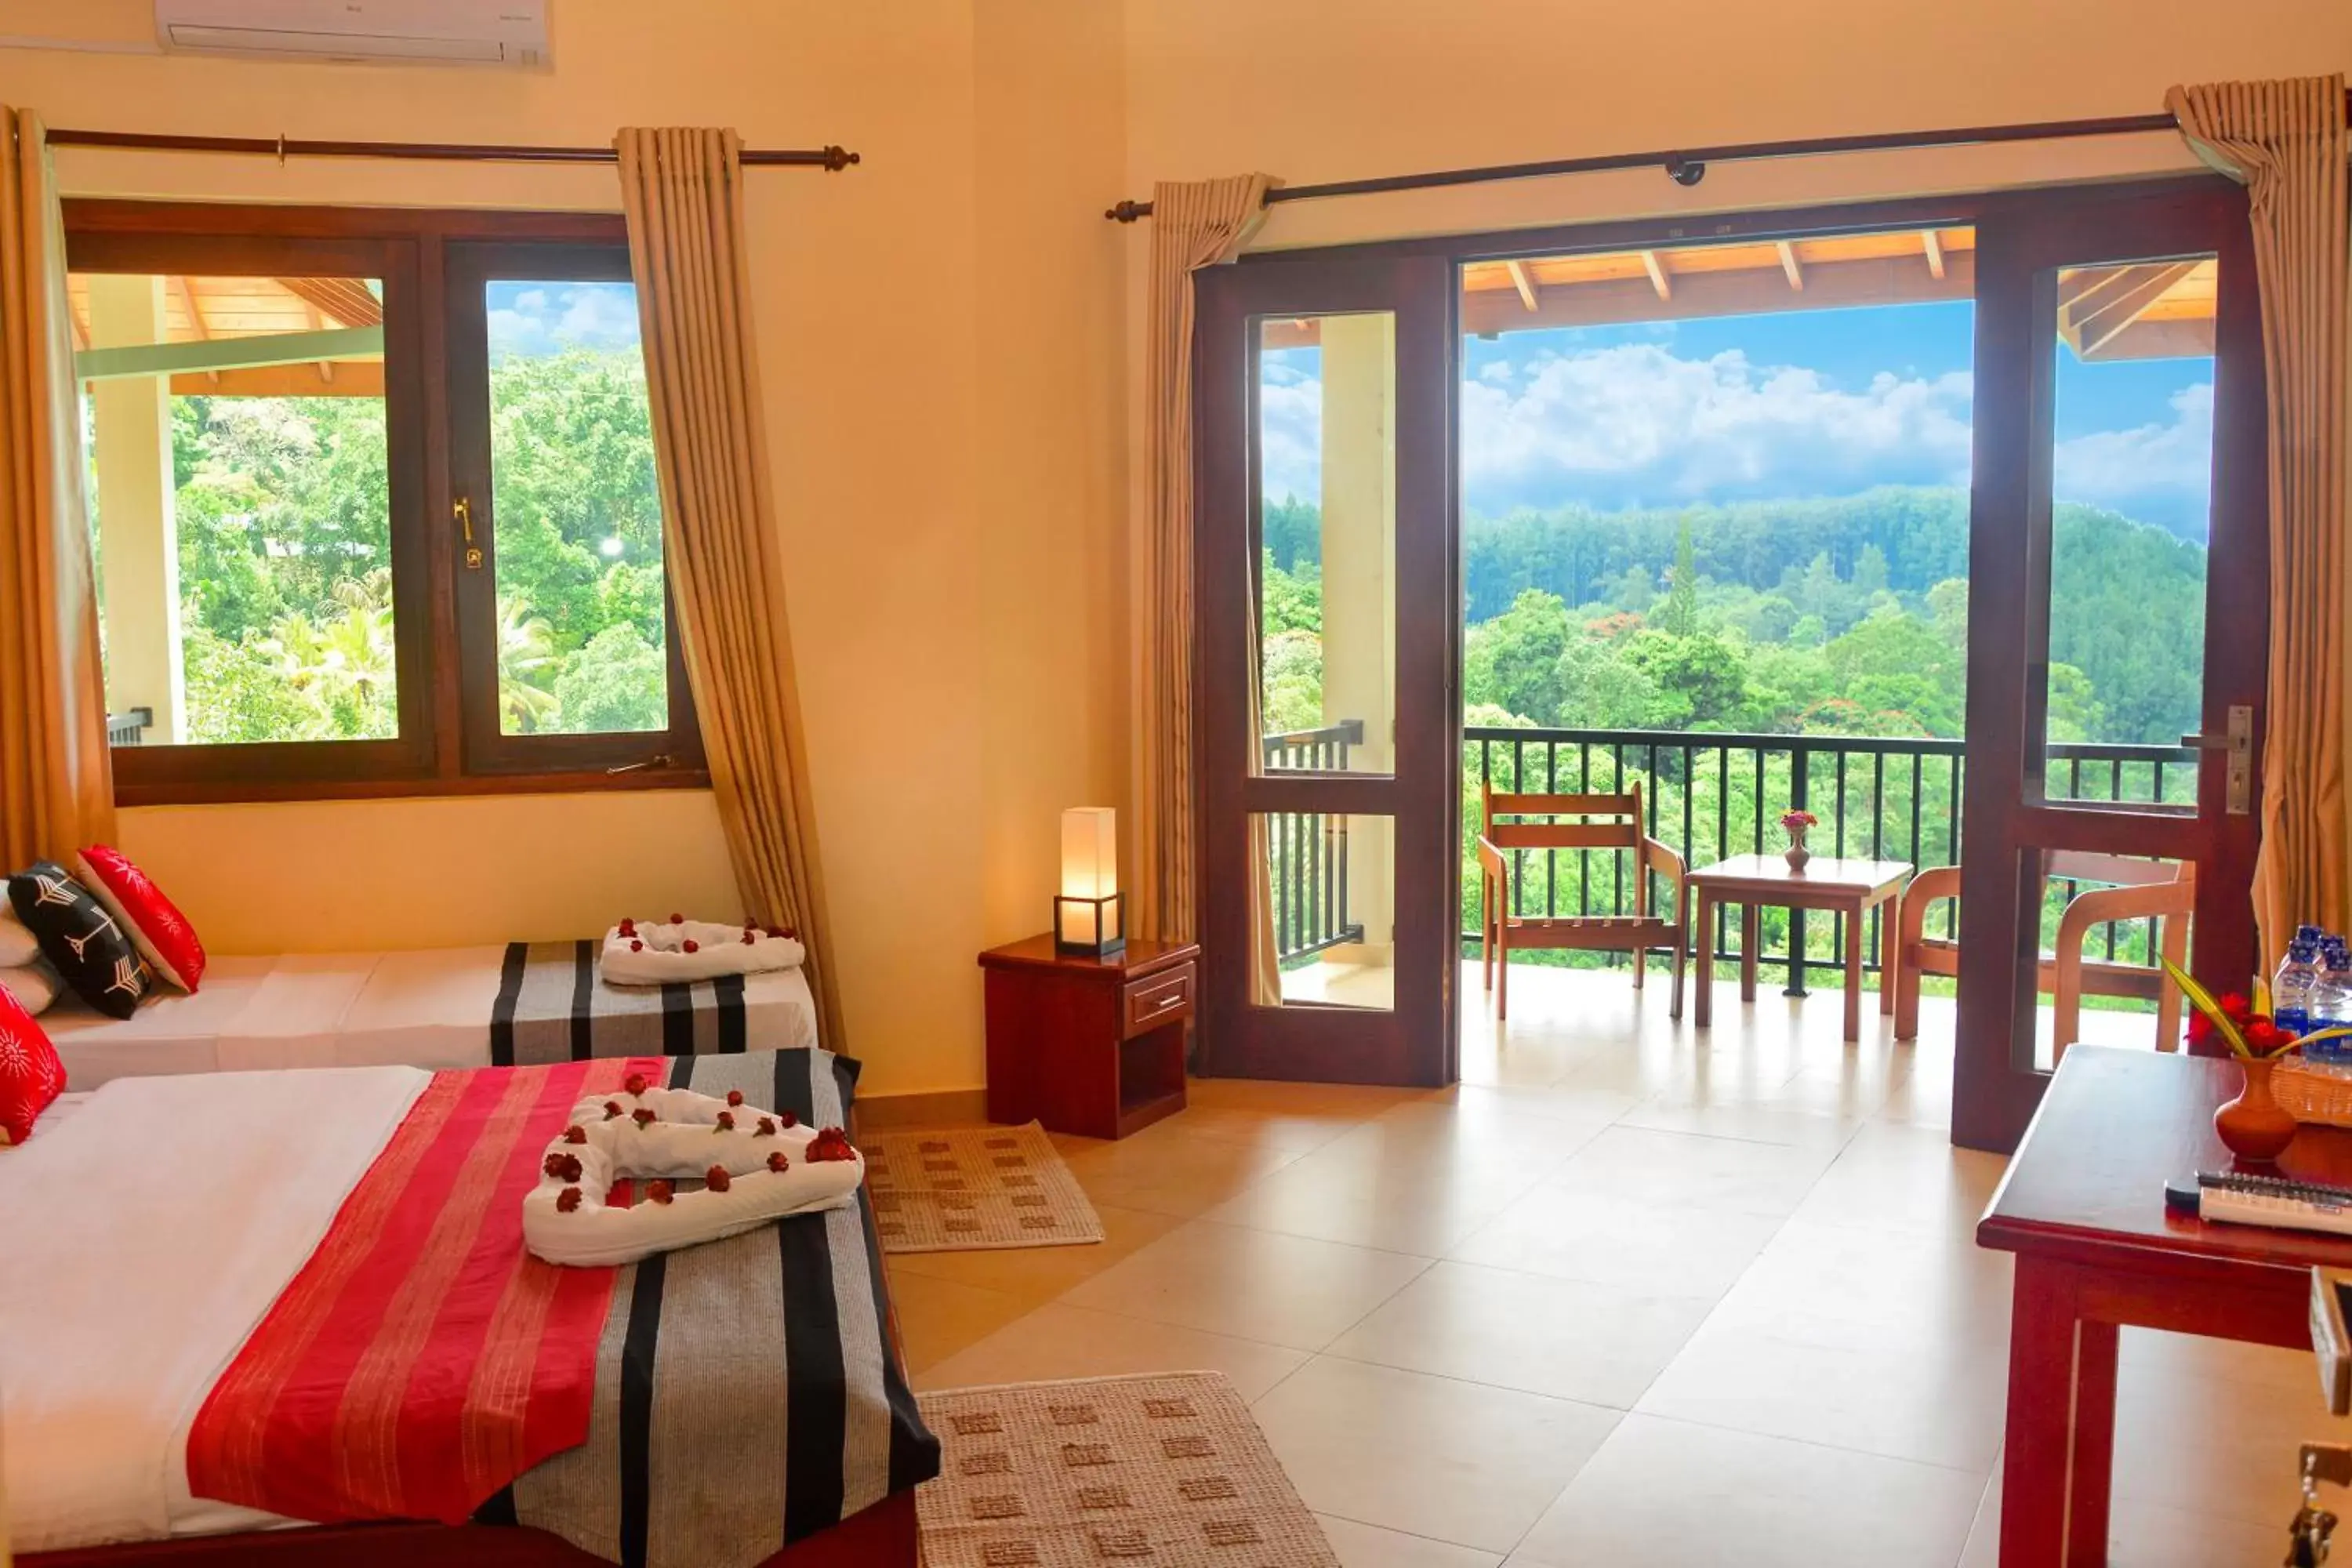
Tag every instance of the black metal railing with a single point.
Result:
(1710, 795)
(1308, 851)
(129, 729)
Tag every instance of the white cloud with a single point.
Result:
(550, 319)
(2159, 473)
(1634, 425)
(1290, 425)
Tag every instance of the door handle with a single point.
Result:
(2238, 740)
(462, 509)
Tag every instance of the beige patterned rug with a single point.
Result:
(1164, 1471)
(965, 1189)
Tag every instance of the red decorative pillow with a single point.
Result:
(31, 1077)
(161, 933)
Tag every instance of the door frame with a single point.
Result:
(1414, 1043)
(1984, 1117)
(2004, 820)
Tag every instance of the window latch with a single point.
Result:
(658, 760)
(462, 509)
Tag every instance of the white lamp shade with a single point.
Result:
(1089, 852)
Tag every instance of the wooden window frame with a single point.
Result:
(412, 252)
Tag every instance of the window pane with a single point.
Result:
(239, 506)
(1327, 911)
(2131, 496)
(1326, 573)
(581, 645)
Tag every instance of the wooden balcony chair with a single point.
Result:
(1606, 822)
(2165, 891)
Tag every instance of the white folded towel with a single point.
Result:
(642, 953)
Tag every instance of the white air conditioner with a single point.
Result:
(417, 32)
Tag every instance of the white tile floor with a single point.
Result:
(1629, 1294)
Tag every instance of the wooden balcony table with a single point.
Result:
(1849, 888)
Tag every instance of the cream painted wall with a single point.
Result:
(943, 418)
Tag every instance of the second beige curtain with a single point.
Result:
(1193, 225)
(57, 780)
(2286, 141)
(683, 190)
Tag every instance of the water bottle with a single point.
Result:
(2292, 987)
(2330, 1007)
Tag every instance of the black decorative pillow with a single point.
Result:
(86, 945)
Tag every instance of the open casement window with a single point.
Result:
(374, 502)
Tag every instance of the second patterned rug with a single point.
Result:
(968, 1189)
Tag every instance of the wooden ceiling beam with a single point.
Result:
(1932, 243)
(1796, 274)
(196, 323)
(1523, 283)
(1656, 268)
(2098, 314)
(344, 299)
(1829, 285)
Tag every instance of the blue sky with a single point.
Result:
(548, 317)
(1758, 408)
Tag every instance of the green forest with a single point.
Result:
(283, 508)
(1820, 617)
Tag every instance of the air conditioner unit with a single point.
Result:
(416, 32)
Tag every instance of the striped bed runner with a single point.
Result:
(553, 1007)
(747, 1394)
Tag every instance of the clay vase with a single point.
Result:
(1797, 854)
(2255, 1126)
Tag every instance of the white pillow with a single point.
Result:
(19, 945)
(34, 985)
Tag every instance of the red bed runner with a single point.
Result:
(422, 1360)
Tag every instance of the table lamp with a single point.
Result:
(1088, 917)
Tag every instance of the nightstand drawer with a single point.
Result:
(1164, 998)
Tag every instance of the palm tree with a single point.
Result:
(527, 662)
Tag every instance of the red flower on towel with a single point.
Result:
(659, 1191)
(634, 1083)
(716, 1178)
(831, 1143)
(575, 1134)
(637, 947)
(692, 945)
(766, 1128)
(642, 1117)
(747, 938)
(677, 919)
(611, 1109)
(734, 1097)
(562, 1167)
(776, 1162)
(726, 1122)
(628, 926)
(790, 1120)
(567, 1200)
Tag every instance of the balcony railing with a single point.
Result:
(1707, 796)
(1710, 795)
(129, 729)
(1308, 850)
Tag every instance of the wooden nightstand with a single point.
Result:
(1089, 1046)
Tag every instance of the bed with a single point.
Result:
(444, 1007)
(744, 1404)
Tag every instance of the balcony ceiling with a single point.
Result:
(2148, 311)
(212, 309)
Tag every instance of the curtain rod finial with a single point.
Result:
(1128, 210)
(1684, 171)
(839, 158)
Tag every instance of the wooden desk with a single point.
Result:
(1089, 1046)
(1851, 888)
(2083, 1208)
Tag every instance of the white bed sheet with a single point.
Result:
(144, 1236)
(176, 1033)
(779, 1012)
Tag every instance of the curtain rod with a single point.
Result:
(829, 158)
(1687, 166)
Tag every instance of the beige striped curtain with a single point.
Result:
(57, 780)
(2285, 142)
(1193, 225)
(683, 190)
